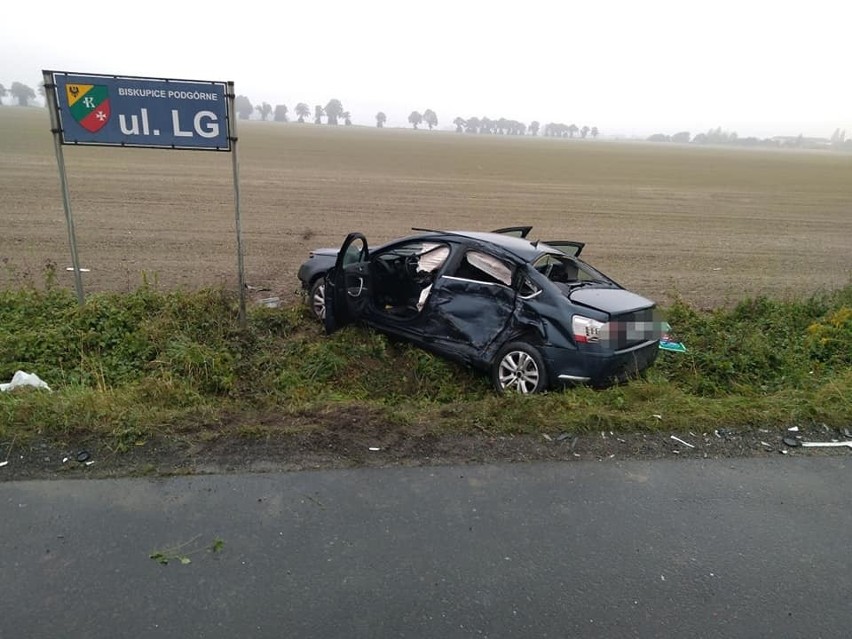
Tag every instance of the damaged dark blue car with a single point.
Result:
(532, 314)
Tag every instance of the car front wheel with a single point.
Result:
(519, 367)
(316, 298)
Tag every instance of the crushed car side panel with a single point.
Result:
(470, 315)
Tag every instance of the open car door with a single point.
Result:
(347, 285)
(514, 231)
(571, 249)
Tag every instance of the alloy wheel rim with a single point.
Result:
(518, 371)
(319, 301)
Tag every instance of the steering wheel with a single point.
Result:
(411, 264)
(385, 266)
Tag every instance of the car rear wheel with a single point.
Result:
(316, 298)
(519, 368)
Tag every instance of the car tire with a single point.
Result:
(316, 298)
(519, 367)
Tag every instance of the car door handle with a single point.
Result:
(360, 288)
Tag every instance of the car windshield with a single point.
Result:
(562, 269)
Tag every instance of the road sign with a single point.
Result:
(107, 110)
(128, 111)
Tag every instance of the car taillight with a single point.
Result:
(588, 331)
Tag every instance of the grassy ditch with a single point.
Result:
(129, 368)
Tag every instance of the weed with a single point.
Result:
(181, 552)
(129, 368)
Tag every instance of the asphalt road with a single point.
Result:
(723, 548)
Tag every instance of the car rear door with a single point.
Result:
(348, 284)
(471, 305)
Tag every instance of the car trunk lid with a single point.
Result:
(614, 301)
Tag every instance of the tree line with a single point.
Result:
(21, 92)
(333, 112)
(837, 141)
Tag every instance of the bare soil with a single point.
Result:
(360, 439)
(713, 225)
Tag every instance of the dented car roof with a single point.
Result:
(519, 247)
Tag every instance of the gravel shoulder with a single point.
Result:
(367, 443)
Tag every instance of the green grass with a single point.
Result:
(129, 368)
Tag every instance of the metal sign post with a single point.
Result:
(241, 279)
(50, 94)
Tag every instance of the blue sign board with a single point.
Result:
(109, 110)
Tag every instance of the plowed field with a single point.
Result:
(713, 225)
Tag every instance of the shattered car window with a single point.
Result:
(403, 276)
(562, 269)
(487, 268)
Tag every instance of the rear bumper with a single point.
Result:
(599, 367)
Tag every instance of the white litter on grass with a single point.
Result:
(793, 429)
(82, 270)
(657, 416)
(270, 302)
(20, 378)
(3, 463)
(678, 439)
(374, 449)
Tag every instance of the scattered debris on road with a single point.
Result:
(181, 552)
(679, 440)
(848, 444)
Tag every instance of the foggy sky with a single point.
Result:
(758, 68)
